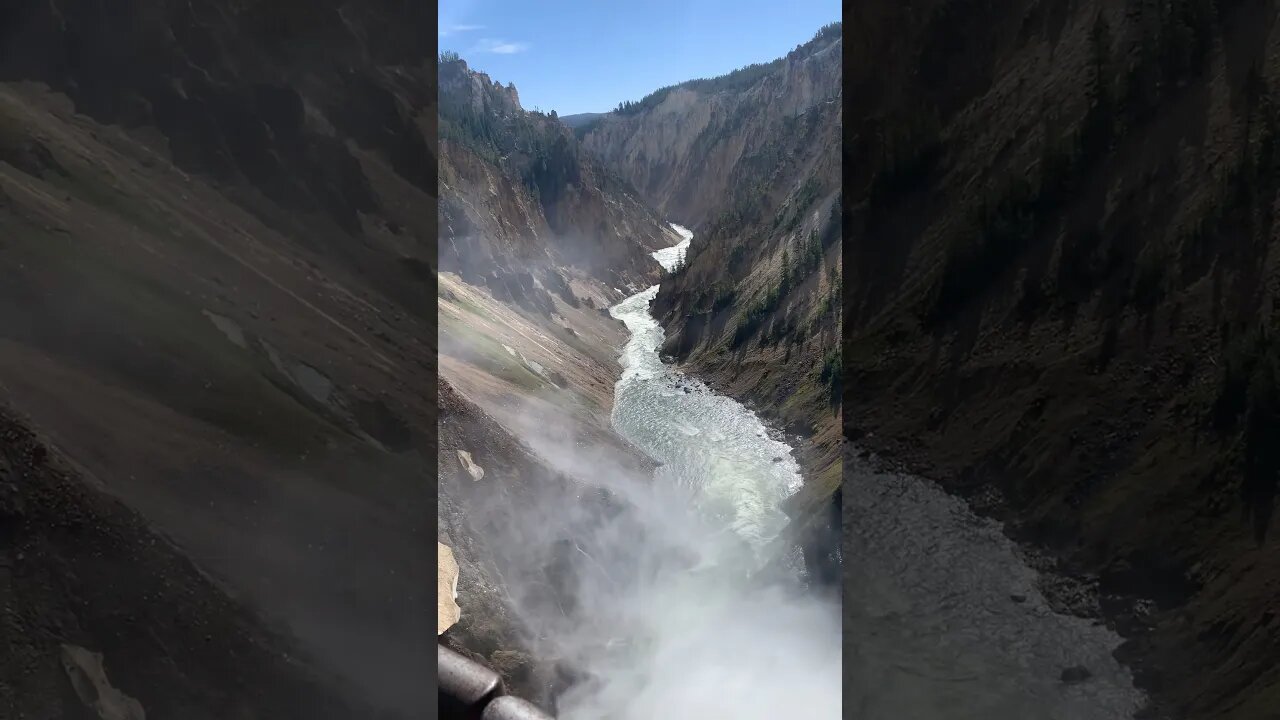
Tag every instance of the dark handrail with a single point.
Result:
(471, 691)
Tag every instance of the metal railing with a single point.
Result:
(471, 691)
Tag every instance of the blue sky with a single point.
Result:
(576, 56)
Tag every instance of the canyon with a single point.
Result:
(559, 227)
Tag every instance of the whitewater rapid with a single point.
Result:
(706, 442)
(698, 637)
(673, 257)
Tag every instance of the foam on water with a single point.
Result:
(671, 258)
(729, 458)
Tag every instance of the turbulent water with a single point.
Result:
(711, 445)
(672, 257)
(706, 442)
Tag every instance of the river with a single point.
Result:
(702, 638)
(705, 442)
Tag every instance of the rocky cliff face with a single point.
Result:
(523, 209)
(215, 282)
(680, 145)
(1062, 302)
(751, 161)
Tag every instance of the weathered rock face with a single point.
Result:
(519, 197)
(751, 162)
(216, 297)
(683, 147)
(1064, 272)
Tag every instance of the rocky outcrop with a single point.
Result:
(1062, 302)
(751, 162)
(89, 678)
(447, 610)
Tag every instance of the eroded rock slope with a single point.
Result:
(216, 305)
(1062, 302)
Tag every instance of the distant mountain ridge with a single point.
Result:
(580, 119)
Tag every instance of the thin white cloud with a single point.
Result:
(453, 29)
(500, 47)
